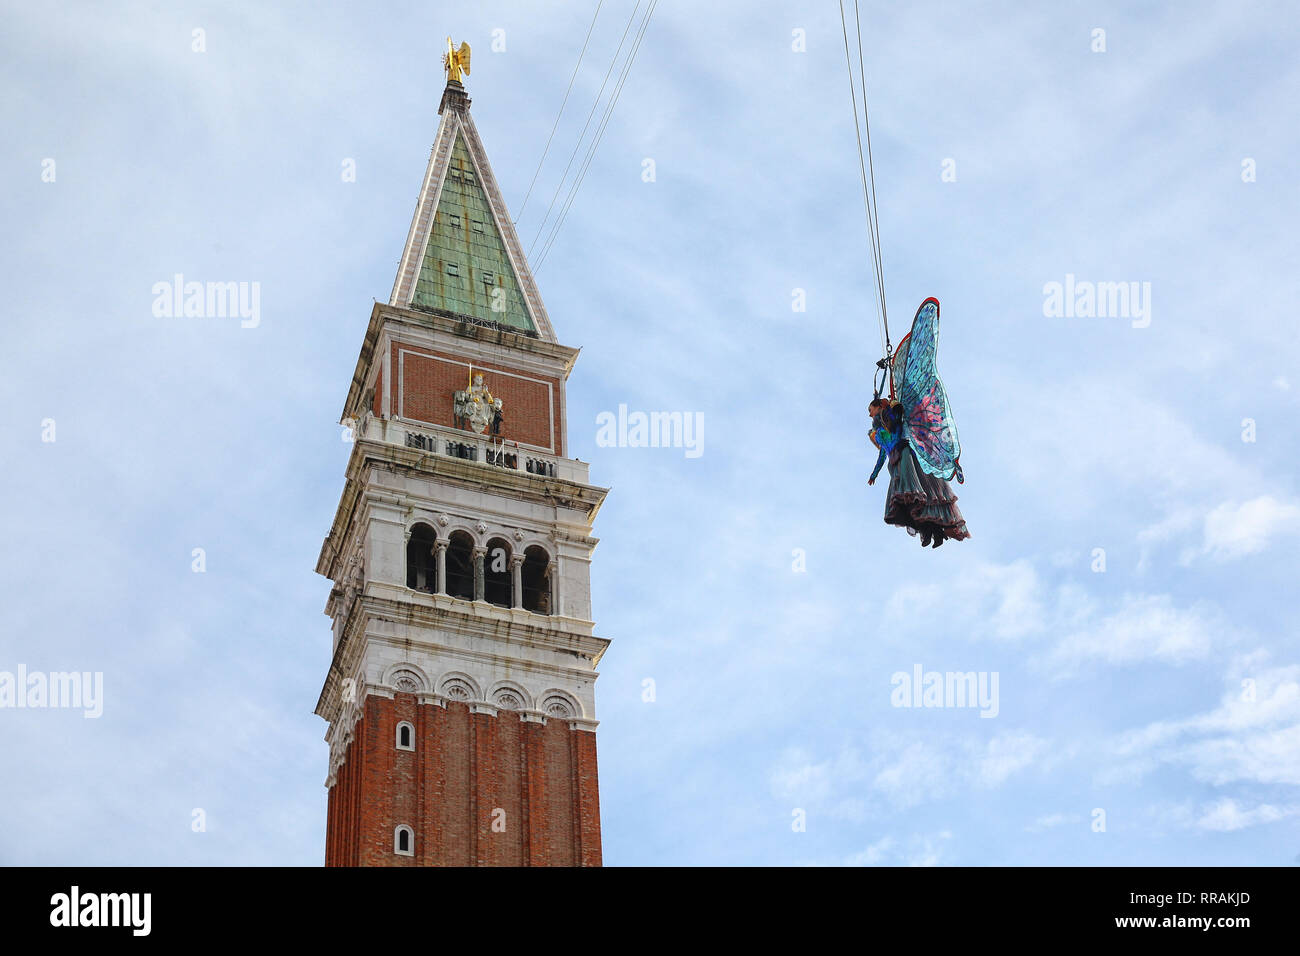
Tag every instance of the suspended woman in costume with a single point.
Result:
(917, 436)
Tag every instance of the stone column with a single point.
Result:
(406, 556)
(517, 580)
(479, 555)
(441, 547)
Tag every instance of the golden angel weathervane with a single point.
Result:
(456, 62)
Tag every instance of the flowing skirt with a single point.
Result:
(919, 502)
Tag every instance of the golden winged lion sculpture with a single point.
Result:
(456, 62)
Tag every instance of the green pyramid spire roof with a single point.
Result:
(462, 254)
(466, 268)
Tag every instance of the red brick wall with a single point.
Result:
(343, 829)
(465, 766)
(531, 410)
(587, 797)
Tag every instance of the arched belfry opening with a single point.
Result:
(497, 577)
(421, 559)
(537, 580)
(460, 565)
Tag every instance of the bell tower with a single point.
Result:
(460, 696)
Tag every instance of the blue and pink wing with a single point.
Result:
(900, 366)
(928, 423)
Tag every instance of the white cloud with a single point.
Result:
(923, 850)
(919, 770)
(1008, 754)
(1230, 530)
(827, 785)
(1010, 602)
(1175, 524)
(1276, 702)
(1173, 461)
(1227, 815)
(877, 854)
(1270, 756)
(1052, 820)
(1253, 736)
(1237, 530)
(1003, 600)
(1145, 627)
(903, 772)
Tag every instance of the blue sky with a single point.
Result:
(1164, 690)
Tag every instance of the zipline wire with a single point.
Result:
(563, 102)
(600, 133)
(582, 135)
(871, 170)
(868, 179)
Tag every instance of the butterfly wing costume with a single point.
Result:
(917, 435)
